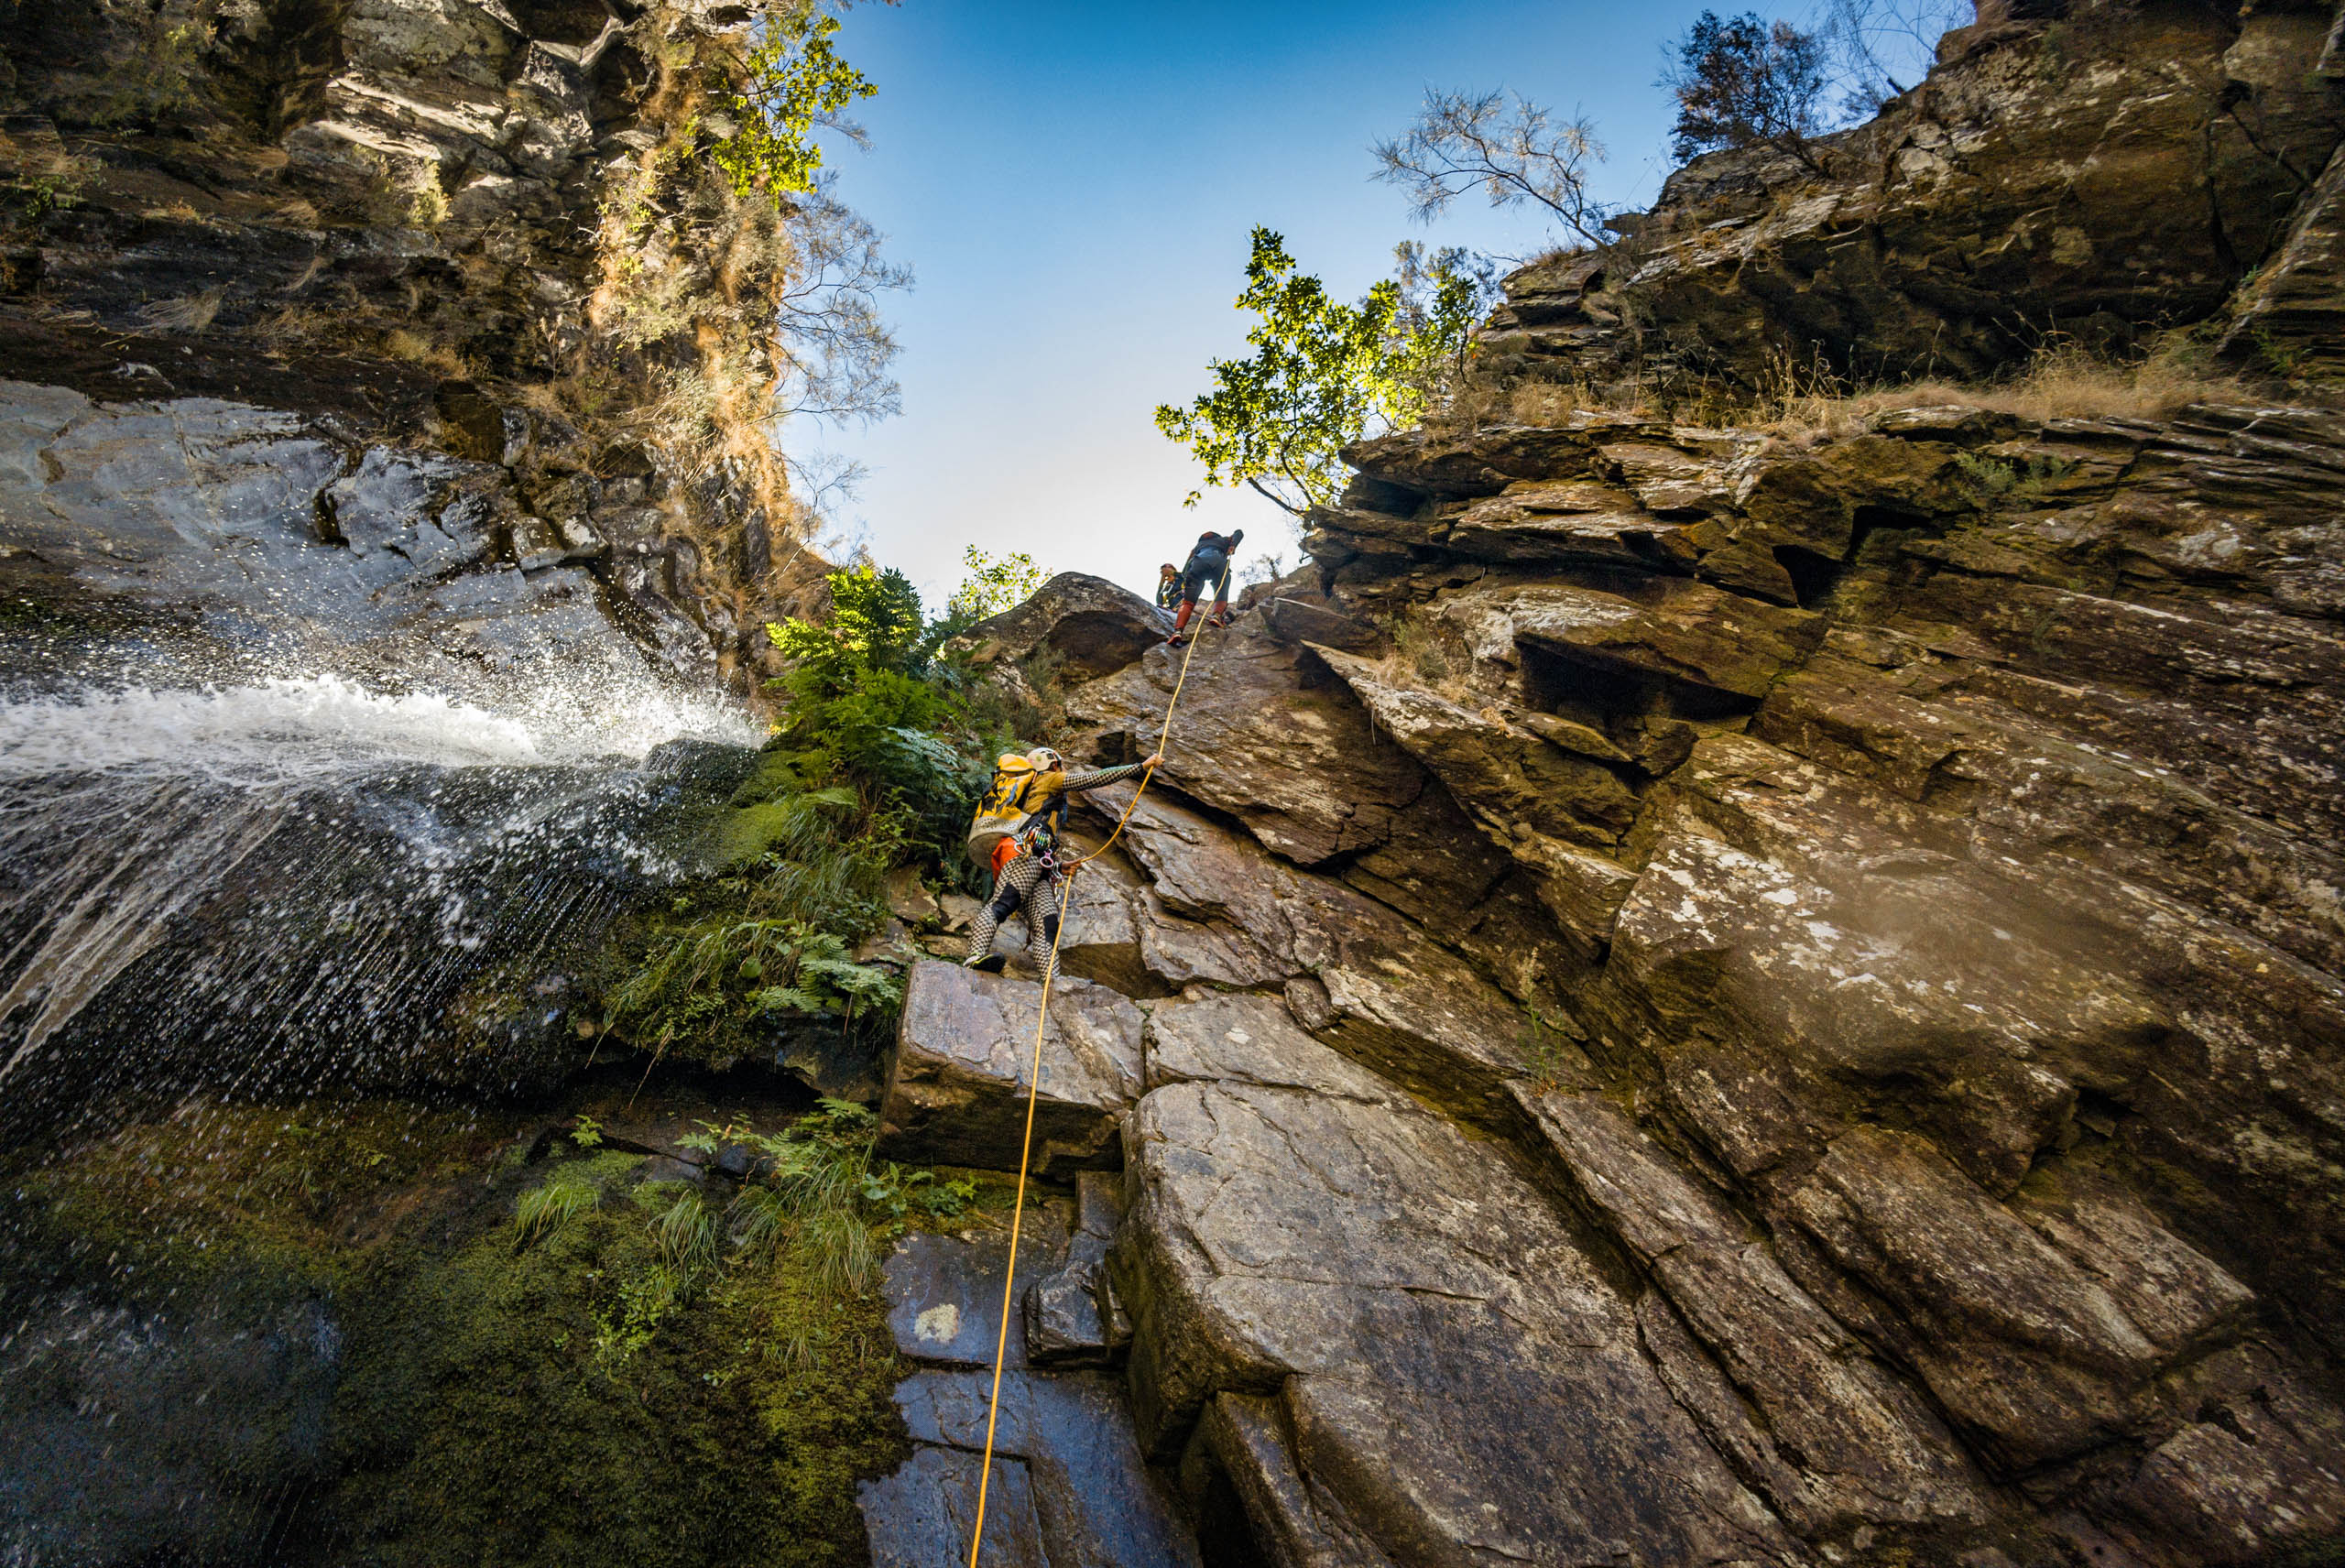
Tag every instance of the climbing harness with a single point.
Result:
(1034, 1089)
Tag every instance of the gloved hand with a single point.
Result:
(1236, 537)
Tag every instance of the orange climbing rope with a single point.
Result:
(1034, 1089)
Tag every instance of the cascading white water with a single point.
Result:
(287, 729)
(288, 881)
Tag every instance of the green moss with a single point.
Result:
(620, 1389)
(774, 774)
(271, 1199)
(742, 836)
(586, 1400)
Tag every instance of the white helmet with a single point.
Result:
(1045, 760)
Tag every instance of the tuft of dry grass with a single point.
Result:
(1546, 402)
(298, 324)
(188, 313)
(418, 350)
(1803, 403)
(2062, 383)
(1554, 402)
(1426, 659)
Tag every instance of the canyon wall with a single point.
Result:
(1766, 992)
(389, 334)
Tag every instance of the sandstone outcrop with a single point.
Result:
(267, 266)
(2101, 171)
(1088, 624)
(1811, 1034)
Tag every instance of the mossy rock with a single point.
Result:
(332, 1305)
(773, 776)
(525, 1402)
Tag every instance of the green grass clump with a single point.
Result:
(545, 1208)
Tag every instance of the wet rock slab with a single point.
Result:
(945, 1291)
(922, 1517)
(1096, 1502)
(1070, 1487)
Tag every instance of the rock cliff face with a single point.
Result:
(2094, 172)
(279, 279)
(1715, 995)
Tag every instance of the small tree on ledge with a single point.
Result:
(1744, 83)
(1324, 373)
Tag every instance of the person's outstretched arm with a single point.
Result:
(1078, 782)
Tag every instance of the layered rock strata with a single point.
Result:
(2097, 171)
(353, 332)
(1808, 1036)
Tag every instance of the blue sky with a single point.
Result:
(1074, 185)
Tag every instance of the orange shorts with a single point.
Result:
(1003, 854)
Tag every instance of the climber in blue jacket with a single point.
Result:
(1207, 567)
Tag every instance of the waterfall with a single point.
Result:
(299, 885)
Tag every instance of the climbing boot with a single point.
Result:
(984, 962)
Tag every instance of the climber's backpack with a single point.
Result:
(1018, 791)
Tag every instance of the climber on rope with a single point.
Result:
(1016, 832)
(1207, 567)
(1168, 586)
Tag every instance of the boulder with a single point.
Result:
(958, 1080)
(1506, 775)
(1266, 731)
(1262, 732)
(1089, 624)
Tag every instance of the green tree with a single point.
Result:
(875, 625)
(992, 586)
(792, 81)
(1323, 375)
(1744, 81)
(1444, 294)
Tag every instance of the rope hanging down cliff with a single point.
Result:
(1034, 1089)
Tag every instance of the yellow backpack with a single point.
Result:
(1019, 790)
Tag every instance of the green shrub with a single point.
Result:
(1993, 482)
(777, 94)
(880, 755)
